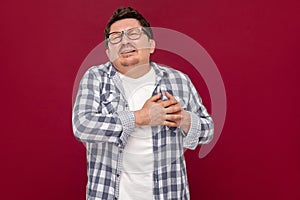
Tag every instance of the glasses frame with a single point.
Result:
(125, 32)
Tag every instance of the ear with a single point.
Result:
(107, 53)
(152, 46)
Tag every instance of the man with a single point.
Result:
(136, 118)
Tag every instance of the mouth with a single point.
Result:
(127, 51)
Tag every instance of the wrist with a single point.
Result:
(186, 121)
(138, 118)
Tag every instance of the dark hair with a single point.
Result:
(124, 13)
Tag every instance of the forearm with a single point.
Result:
(98, 120)
(97, 127)
(200, 132)
(201, 127)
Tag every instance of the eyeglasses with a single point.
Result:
(132, 34)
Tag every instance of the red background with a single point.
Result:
(255, 45)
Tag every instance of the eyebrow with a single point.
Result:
(125, 30)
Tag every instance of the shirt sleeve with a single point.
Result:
(89, 124)
(202, 126)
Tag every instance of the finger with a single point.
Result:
(173, 109)
(168, 103)
(155, 97)
(170, 96)
(173, 117)
(171, 124)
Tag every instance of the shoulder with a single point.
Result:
(100, 70)
(169, 72)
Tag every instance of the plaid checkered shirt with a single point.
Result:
(103, 122)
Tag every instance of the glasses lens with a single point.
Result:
(115, 38)
(134, 33)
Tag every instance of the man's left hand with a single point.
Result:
(175, 115)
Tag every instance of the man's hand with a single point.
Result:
(173, 111)
(158, 112)
(175, 115)
(151, 113)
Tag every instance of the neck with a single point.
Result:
(135, 71)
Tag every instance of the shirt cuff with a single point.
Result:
(191, 139)
(128, 123)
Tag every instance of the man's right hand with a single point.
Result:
(158, 112)
(152, 113)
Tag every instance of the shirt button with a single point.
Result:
(116, 198)
(118, 175)
(120, 151)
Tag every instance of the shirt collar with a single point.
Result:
(159, 70)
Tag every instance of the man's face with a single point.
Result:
(129, 53)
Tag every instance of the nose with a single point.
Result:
(124, 39)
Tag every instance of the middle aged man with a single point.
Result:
(137, 117)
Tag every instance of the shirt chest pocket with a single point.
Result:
(110, 102)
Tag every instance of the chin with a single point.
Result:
(129, 62)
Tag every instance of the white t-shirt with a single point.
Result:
(137, 176)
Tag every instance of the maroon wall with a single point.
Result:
(255, 45)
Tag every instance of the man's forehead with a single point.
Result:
(124, 24)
